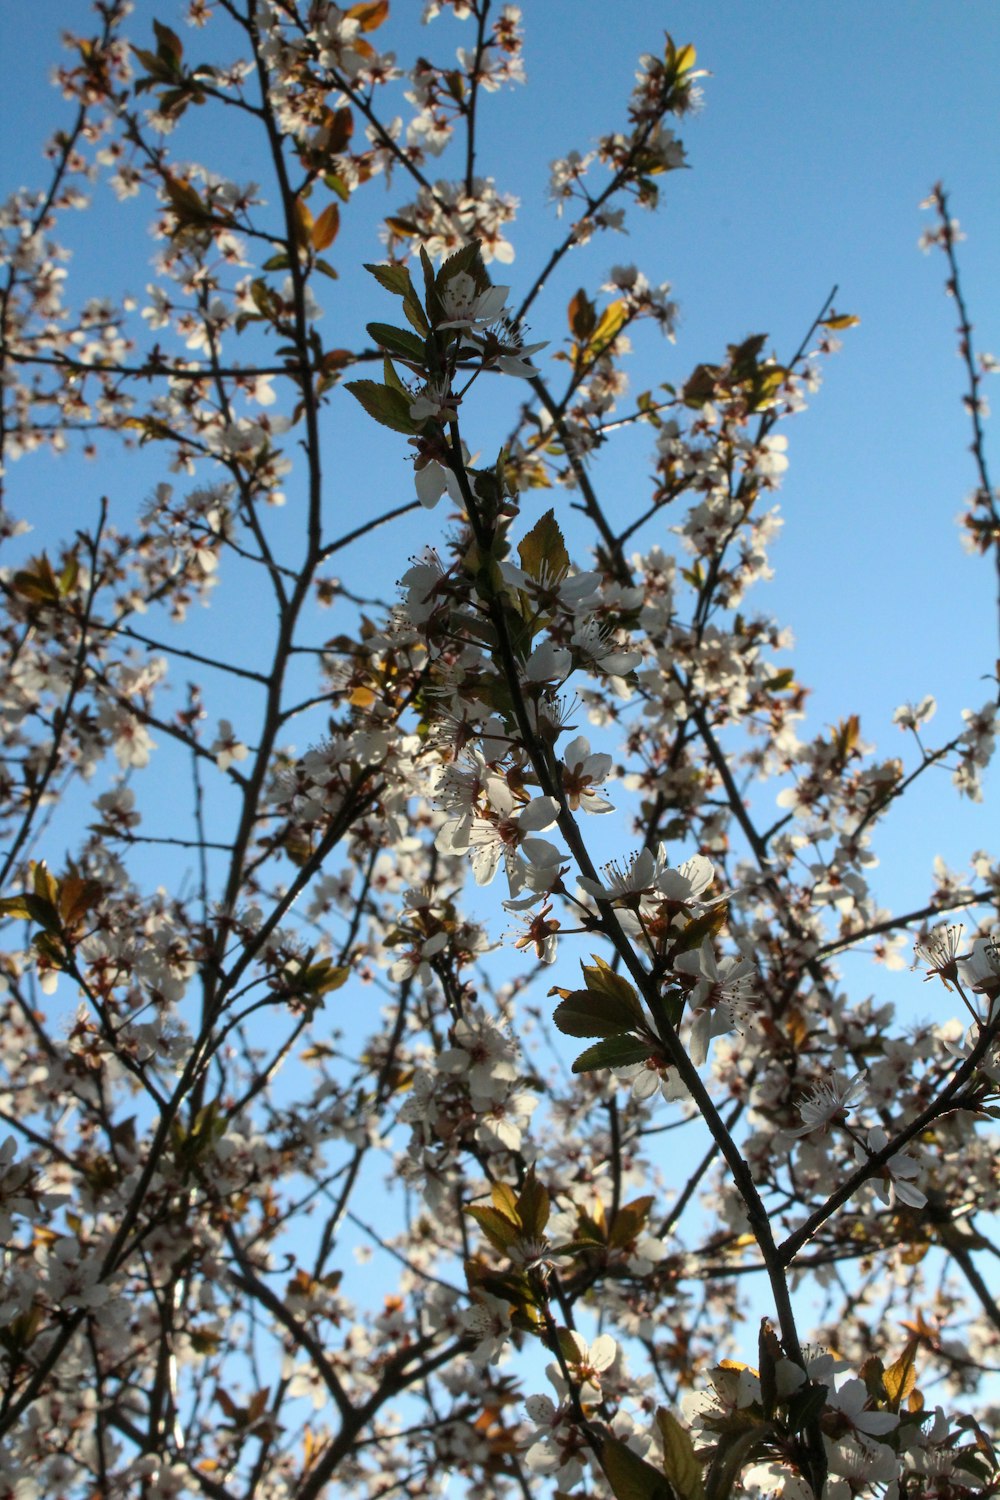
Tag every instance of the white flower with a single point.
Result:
(624, 883)
(595, 642)
(435, 400)
(509, 354)
(776, 1482)
(422, 585)
(558, 1445)
(940, 953)
(227, 748)
(464, 307)
(585, 1362)
(646, 1077)
(502, 1126)
(548, 663)
(722, 1000)
(912, 715)
(851, 1401)
(685, 884)
(488, 1320)
(484, 1056)
(432, 480)
(502, 835)
(413, 964)
(731, 983)
(540, 928)
(132, 740)
(573, 591)
(827, 1102)
(582, 772)
(306, 1380)
(981, 970)
(896, 1182)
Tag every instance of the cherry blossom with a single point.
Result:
(827, 1103)
(897, 1184)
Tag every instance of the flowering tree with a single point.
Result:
(271, 1008)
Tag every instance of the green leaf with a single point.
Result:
(629, 1222)
(388, 406)
(18, 907)
(667, 1009)
(567, 1345)
(533, 1206)
(805, 1405)
(392, 380)
(679, 1462)
(501, 1232)
(37, 582)
(468, 260)
(415, 313)
(769, 1353)
(694, 934)
(613, 1052)
(505, 1201)
(631, 1477)
(430, 294)
(394, 278)
(155, 66)
(733, 1451)
(187, 206)
(543, 550)
(602, 979)
(398, 341)
(168, 43)
(325, 977)
(584, 1013)
(339, 186)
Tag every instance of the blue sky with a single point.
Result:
(823, 127)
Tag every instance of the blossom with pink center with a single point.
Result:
(582, 774)
(828, 1102)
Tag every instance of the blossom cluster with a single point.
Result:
(365, 1124)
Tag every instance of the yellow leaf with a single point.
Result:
(186, 205)
(841, 320)
(304, 220)
(370, 13)
(324, 230)
(608, 325)
(317, 1053)
(901, 1376)
(505, 1201)
(311, 1447)
(46, 887)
